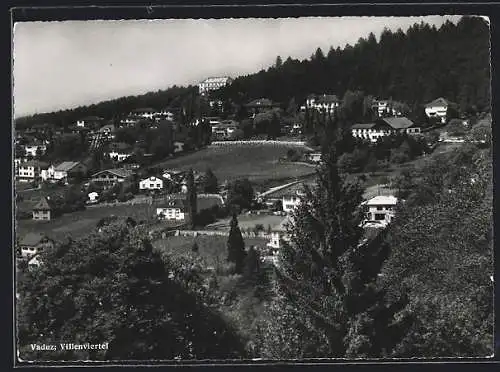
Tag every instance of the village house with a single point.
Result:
(291, 200)
(64, 171)
(164, 114)
(34, 243)
(93, 197)
(35, 149)
(119, 151)
(173, 210)
(213, 83)
(381, 209)
(110, 177)
(106, 132)
(279, 234)
(384, 127)
(30, 171)
(178, 146)
(385, 107)
(437, 109)
(34, 262)
(225, 129)
(261, 105)
(129, 121)
(313, 157)
(90, 122)
(324, 103)
(151, 183)
(42, 210)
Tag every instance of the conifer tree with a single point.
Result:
(325, 272)
(191, 198)
(236, 246)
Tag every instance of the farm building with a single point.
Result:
(42, 211)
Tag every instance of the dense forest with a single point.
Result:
(415, 67)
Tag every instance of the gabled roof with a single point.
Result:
(260, 102)
(175, 203)
(382, 200)
(33, 238)
(42, 205)
(326, 98)
(119, 172)
(438, 102)
(66, 166)
(152, 178)
(110, 127)
(398, 122)
(35, 163)
(363, 126)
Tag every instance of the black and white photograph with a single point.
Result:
(252, 189)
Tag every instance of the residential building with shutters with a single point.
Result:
(42, 211)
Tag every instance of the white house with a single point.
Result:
(291, 201)
(34, 243)
(32, 149)
(384, 127)
(178, 146)
(213, 83)
(383, 106)
(279, 234)
(151, 183)
(30, 170)
(164, 114)
(34, 262)
(173, 210)
(325, 102)
(437, 109)
(314, 157)
(62, 171)
(93, 196)
(381, 208)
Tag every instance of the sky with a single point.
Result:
(61, 65)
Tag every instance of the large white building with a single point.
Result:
(213, 83)
(384, 127)
(30, 170)
(437, 109)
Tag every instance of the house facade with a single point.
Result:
(64, 171)
(34, 149)
(34, 243)
(324, 103)
(437, 109)
(144, 113)
(30, 171)
(384, 127)
(279, 234)
(291, 201)
(213, 83)
(172, 210)
(313, 157)
(381, 209)
(151, 183)
(42, 211)
(110, 177)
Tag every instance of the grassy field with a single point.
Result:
(258, 163)
(80, 223)
(211, 248)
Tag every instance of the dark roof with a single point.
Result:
(363, 126)
(42, 205)
(260, 102)
(438, 102)
(120, 172)
(66, 166)
(175, 203)
(33, 238)
(34, 163)
(398, 122)
(327, 98)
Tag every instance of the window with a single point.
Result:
(379, 208)
(379, 216)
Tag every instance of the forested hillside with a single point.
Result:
(415, 66)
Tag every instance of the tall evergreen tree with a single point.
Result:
(191, 198)
(328, 275)
(236, 246)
